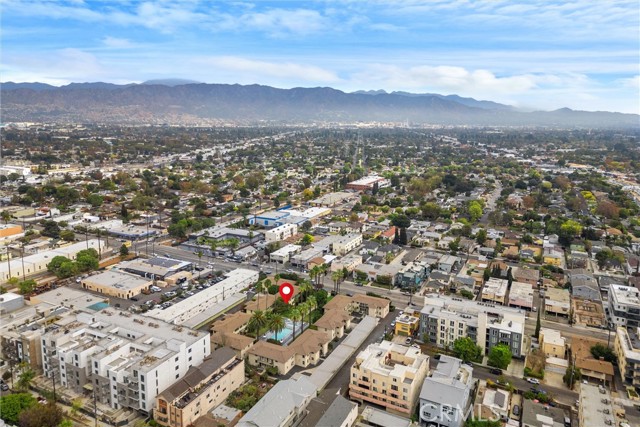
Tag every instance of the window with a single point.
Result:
(176, 358)
(189, 351)
(177, 376)
(141, 377)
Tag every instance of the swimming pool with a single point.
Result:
(286, 335)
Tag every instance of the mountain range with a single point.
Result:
(183, 102)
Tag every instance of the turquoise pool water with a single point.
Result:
(280, 336)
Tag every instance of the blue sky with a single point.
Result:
(582, 54)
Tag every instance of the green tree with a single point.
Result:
(500, 356)
(14, 404)
(67, 235)
(95, 200)
(481, 236)
(257, 322)
(24, 380)
(276, 323)
(307, 239)
(467, 350)
(295, 315)
(569, 379)
(48, 415)
(569, 230)
(56, 262)
(467, 294)
(124, 251)
(6, 216)
(67, 269)
(26, 286)
(475, 210)
(600, 350)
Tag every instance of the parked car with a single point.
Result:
(496, 371)
(4, 387)
(516, 410)
(134, 299)
(533, 380)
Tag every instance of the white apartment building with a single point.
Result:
(495, 291)
(285, 253)
(624, 306)
(445, 319)
(125, 358)
(346, 244)
(280, 233)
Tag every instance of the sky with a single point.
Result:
(580, 54)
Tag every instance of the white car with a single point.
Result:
(533, 381)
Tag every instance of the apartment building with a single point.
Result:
(407, 325)
(389, 375)
(126, 359)
(305, 351)
(445, 319)
(280, 233)
(285, 253)
(346, 244)
(446, 396)
(495, 291)
(624, 306)
(627, 346)
(203, 388)
(364, 304)
(552, 343)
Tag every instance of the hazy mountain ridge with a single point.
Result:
(176, 102)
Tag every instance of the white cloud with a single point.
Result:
(280, 70)
(632, 82)
(117, 43)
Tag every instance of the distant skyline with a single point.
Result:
(581, 54)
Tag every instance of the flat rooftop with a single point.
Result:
(117, 280)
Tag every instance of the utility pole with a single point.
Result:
(95, 407)
(573, 369)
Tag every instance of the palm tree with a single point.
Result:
(311, 302)
(266, 286)
(305, 287)
(257, 321)
(336, 276)
(259, 287)
(313, 274)
(25, 378)
(276, 323)
(303, 308)
(295, 314)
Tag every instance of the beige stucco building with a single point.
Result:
(389, 375)
(202, 389)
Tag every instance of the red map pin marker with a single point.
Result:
(286, 292)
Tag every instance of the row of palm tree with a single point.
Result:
(276, 322)
(317, 273)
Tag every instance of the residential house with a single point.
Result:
(446, 396)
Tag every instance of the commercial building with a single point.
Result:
(333, 199)
(280, 233)
(31, 265)
(446, 396)
(350, 262)
(368, 183)
(116, 283)
(495, 291)
(181, 312)
(389, 375)
(124, 358)
(283, 406)
(624, 306)
(203, 388)
(158, 268)
(627, 346)
(269, 219)
(521, 295)
(445, 319)
(525, 275)
(133, 232)
(557, 302)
